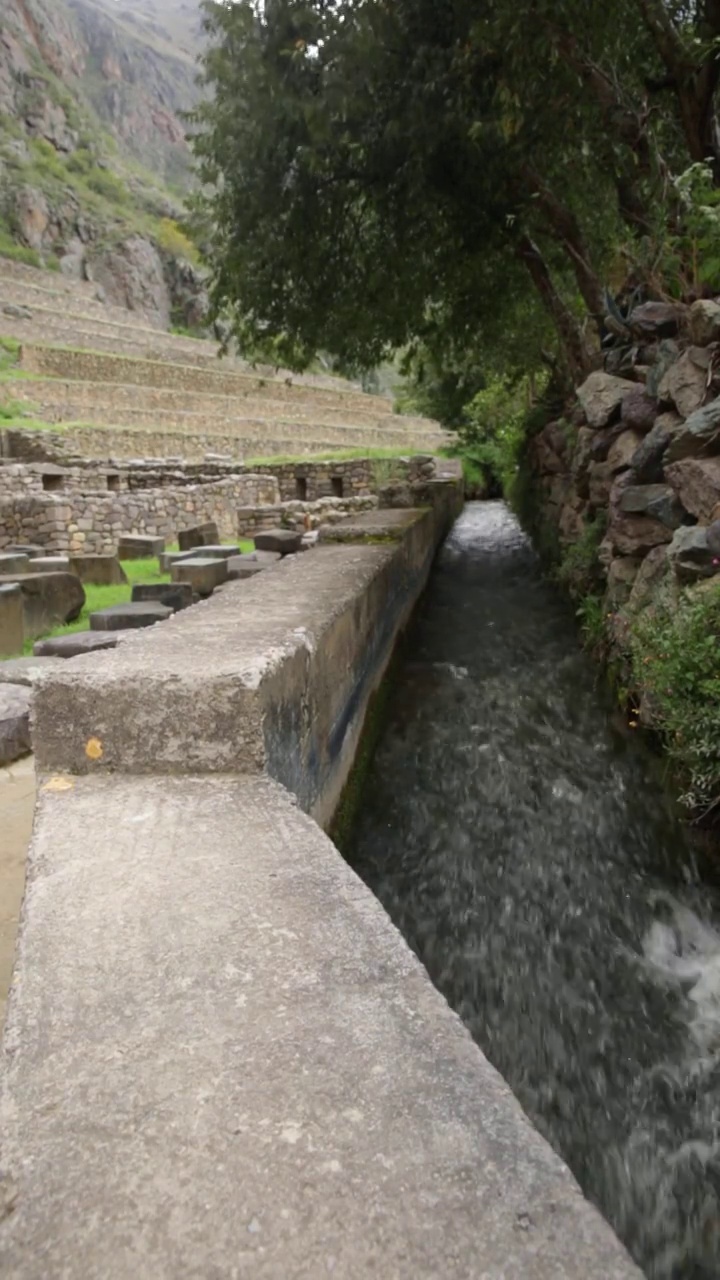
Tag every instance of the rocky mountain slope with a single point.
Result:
(93, 157)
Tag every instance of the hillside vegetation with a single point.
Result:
(94, 163)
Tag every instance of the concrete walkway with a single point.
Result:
(243, 1071)
(221, 1059)
(17, 799)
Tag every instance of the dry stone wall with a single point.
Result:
(92, 522)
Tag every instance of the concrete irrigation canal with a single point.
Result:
(518, 841)
(221, 1058)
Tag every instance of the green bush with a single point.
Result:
(9, 248)
(173, 240)
(107, 185)
(579, 568)
(675, 654)
(489, 441)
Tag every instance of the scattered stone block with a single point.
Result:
(698, 436)
(241, 567)
(174, 595)
(203, 574)
(48, 599)
(49, 564)
(284, 541)
(30, 549)
(656, 500)
(25, 671)
(100, 571)
(14, 563)
(198, 535)
(138, 546)
(14, 722)
(220, 551)
(126, 617)
(168, 558)
(12, 633)
(685, 383)
(76, 644)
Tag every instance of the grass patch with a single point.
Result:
(337, 455)
(103, 597)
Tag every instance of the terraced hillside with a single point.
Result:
(115, 385)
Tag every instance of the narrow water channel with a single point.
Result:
(523, 844)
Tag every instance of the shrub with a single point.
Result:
(174, 241)
(18, 252)
(107, 185)
(579, 568)
(675, 652)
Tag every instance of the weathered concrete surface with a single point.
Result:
(243, 1071)
(275, 673)
(25, 671)
(129, 616)
(17, 799)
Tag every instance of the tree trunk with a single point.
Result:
(564, 227)
(693, 77)
(573, 345)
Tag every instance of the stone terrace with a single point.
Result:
(138, 391)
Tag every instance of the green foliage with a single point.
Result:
(17, 252)
(12, 409)
(579, 569)
(592, 617)
(489, 439)
(175, 241)
(674, 652)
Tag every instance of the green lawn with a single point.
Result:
(103, 597)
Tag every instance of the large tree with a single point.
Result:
(380, 173)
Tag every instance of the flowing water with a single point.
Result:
(523, 845)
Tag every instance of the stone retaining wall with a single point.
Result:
(93, 366)
(92, 522)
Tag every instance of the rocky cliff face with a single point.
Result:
(93, 156)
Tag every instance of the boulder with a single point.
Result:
(600, 479)
(647, 460)
(697, 484)
(654, 320)
(241, 567)
(168, 558)
(666, 353)
(76, 643)
(284, 541)
(99, 571)
(14, 722)
(174, 595)
(198, 535)
(128, 617)
(704, 322)
(550, 450)
(639, 410)
(48, 599)
(601, 396)
(713, 537)
(139, 546)
(623, 450)
(685, 383)
(691, 556)
(699, 436)
(656, 500)
(635, 535)
(621, 575)
(12, 633)
(651, 574)
(203, 574)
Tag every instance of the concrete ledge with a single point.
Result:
(221, 1060)
(274, 674)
